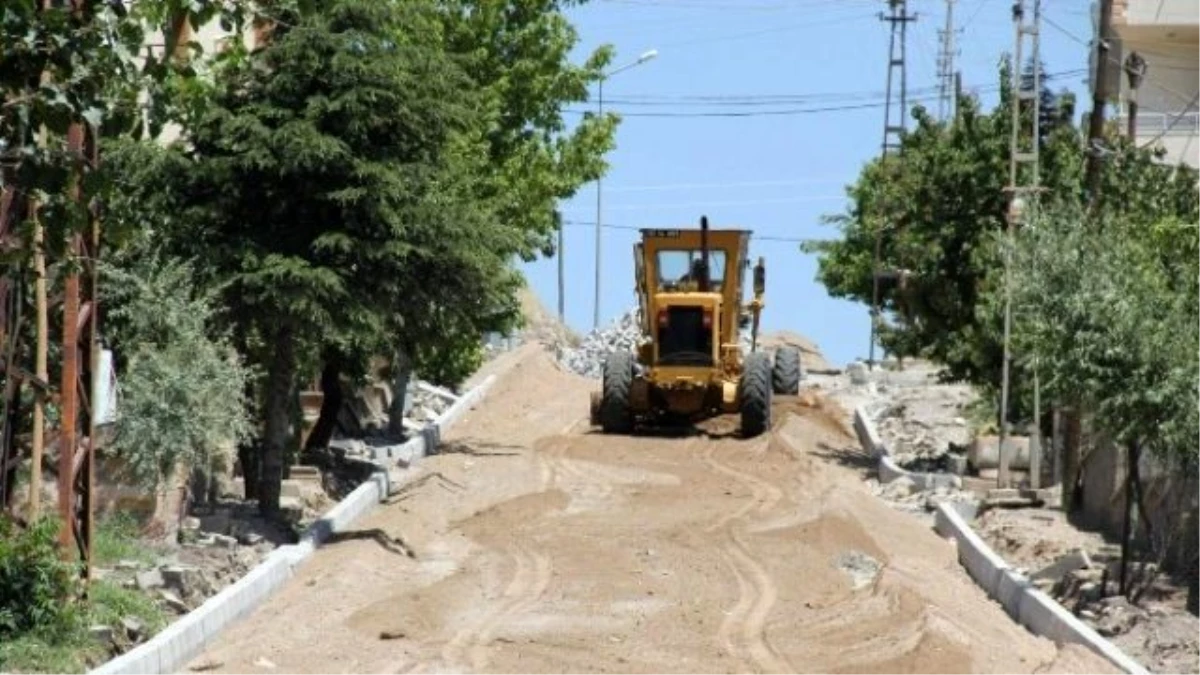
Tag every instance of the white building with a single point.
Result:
(1166, 33)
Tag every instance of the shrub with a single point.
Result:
(182, 387)
(36, 585)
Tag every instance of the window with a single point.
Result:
(678, 269)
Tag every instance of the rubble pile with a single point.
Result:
(587, 359)
(427, 402)
(925, 432)
(905, 495)
(214, 552)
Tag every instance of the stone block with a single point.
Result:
(1077, 559)
(984, 452)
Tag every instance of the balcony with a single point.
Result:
(1157, 19)
(1177, 133)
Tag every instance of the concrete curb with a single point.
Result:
(1031, 608)
(426, 442)
(170, 650)
(888, 469)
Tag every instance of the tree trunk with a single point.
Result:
(249, 454)
(1072, 439)
(402, 372)
(1131, 458)
(331, 404)
(281, 375)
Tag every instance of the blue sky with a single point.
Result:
(775, 174)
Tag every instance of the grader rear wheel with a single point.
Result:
(788, 371)
(755, 394)
(615, 414)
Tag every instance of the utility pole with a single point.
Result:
(1022, 188)
(1099, 100)
(562, 302)
(646, 56)
(899, 18)
(947, 75)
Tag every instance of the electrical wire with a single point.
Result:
(1187, 109)
(634, 228)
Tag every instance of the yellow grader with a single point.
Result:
(690, 365)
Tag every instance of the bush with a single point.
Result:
(182, 387)
(37, 587)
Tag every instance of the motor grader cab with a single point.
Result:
(690, 286)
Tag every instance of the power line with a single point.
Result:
(691, 186)
(636, 228)
(741, 202)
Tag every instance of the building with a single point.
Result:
(1166, 34)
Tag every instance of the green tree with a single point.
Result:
(182, 386)
(1111, 311)
(940, 205)
(320, 183)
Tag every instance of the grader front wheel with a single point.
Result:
(614, 413)
(755, 389)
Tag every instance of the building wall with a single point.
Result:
(1166, 33)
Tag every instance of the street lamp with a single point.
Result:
(646, 56)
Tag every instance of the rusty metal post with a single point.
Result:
(69, 391)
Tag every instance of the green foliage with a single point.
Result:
(182, 386)
(1112, 315)
(940, 207)
(117, 540)
(89, 67)
(37, 586)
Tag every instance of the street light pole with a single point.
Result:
(599, 211)
(646, 56)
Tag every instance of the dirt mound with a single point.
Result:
(814, 361)
(542, 325)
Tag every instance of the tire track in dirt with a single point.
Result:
(531, 575)
(757, 592)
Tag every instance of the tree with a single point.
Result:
(182, 387)
(1111, 310)
(945, 196)
(512, 172)
(948, 208)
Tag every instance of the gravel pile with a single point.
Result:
(624, 334)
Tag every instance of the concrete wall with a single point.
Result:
(1156, 12)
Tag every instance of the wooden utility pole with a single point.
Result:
(1099, 100)
(41, 345)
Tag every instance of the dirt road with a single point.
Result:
(539, 546)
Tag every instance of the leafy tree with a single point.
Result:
(1111, 311)
(182, 388)
(946, 206)
(324, 176)
(935, 204)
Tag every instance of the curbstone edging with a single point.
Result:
(1033, 609)
(426, 441)
(888, 469)
(1036, 611)
(178, 643)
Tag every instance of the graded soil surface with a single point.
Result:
(533, 543)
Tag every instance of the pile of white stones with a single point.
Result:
(624, 334)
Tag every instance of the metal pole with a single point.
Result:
(599, 217)
(1015, 102)
(1099, 100)
(562, 303)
